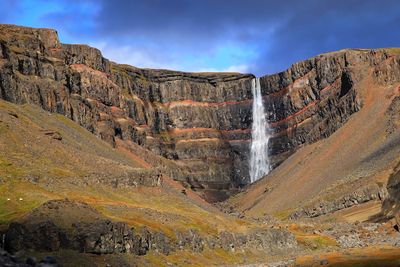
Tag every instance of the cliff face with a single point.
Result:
(350, 97)
(199, 122)
(314, 98)
(196, 121)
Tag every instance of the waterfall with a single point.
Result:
(259, 161)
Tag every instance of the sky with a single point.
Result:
(248, 36)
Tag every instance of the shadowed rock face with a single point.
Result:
(391, 205)
(200, 122)
(65, 224)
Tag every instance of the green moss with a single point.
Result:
(164, 136)
(8, 169)
(17, 198)
(283, 214)
(316, 242)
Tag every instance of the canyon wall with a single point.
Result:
(194, 120)
(199, 122)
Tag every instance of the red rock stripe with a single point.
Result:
(205, 104)
(335, 83)
(211, 140)
(199, 140)
(177, 131)
(312, 104)
(239, 140)
(285, 90)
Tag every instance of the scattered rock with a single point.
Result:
(324, 262)
(31, 261)
(12, 113)
(10, 261)
(53, 134)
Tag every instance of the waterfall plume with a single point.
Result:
(259, 161)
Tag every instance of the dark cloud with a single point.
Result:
(206, 21)
(283, 31)
(262, 36)
(333, 25)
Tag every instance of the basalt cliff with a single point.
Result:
(121, 163)
(199, 122)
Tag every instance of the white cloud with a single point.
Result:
(234, 68)
(145, 57)
(135, 56)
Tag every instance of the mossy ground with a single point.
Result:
(217, 257)
(371, 256)
(309, 240)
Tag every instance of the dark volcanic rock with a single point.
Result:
(64, 224)
(105, 237)
(359, 196)
(8, 260)
(391, 205)
(42, 236)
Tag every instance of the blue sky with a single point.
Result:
(261, 37)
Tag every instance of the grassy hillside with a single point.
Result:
(36, 166)
(45, 156)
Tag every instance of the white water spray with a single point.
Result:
(259, 161)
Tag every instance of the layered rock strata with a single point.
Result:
(199, 122)
(194, 120)
(359, 196)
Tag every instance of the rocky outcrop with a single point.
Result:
(199, 122)
(364, 234)
(359, 196)
(391, 205)
(45, 229)
(107, 237)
